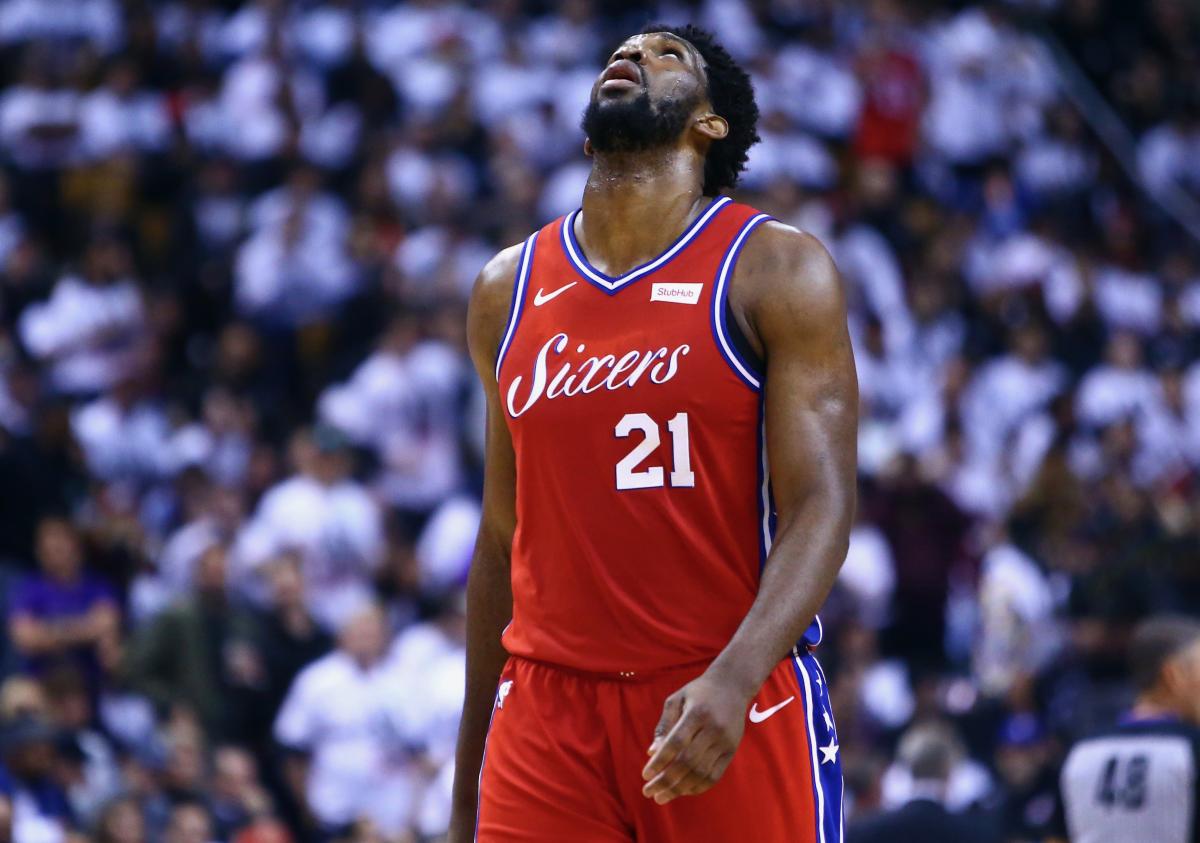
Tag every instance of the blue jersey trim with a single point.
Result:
(765, 534)
(608, 283)
(720, 329)
(518, 299)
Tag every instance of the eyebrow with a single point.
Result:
(690, 47)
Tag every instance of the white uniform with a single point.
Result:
(1136, 783)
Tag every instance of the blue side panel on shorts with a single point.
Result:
(823, 752)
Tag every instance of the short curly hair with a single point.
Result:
(732, 97)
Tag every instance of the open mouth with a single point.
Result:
(621, 75)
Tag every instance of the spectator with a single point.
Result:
(1028, 807)
(929, 752)
(88, 330)
(63, 615)
(91, 775)
(121, 821)
(201, 653)
(338, 724)
(328, 516)
(289, 276)
(40, 811)
(190, 823)
(291, 638)
(237, 798)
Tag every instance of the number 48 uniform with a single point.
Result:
(1138, 782)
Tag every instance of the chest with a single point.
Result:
(648, 345)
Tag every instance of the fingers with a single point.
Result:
(694, 772)
(689, 760)
(693, 744)
(666, 749)
(672, 708)
(687, 773)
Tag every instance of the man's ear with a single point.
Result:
(1172, 677)
(587, 147)
(712, 126)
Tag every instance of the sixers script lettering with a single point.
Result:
(591, 374)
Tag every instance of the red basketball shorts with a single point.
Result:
(565, 752)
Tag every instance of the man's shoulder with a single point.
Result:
(921, 820)
(1130, 730)
(780, 265)
(1146, 726)
(331, 670)
(496, 279)
(491, 300)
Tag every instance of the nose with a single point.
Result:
(634, 54)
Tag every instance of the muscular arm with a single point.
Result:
(34, 637)
(787, 293)
(489, 587)
(798, 313)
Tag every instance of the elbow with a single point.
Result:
(846, 515)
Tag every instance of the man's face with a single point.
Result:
(364, 637)
(58, 550)
(189, 824)
(645, 96)
(31, 760)
(1184, 672)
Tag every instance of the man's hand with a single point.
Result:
(701, 726)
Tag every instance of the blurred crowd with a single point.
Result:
(240, 440)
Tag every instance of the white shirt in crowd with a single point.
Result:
(406, 406)
(1109, 394)
(338, 530)
(122, 442)
(869, 574)
(1023, 261)
(110, 123)
(1128, 300)
(1017, 633)
(96, 21)
(1003, 393)
(292, 279)
(86, 332)
(345, 717)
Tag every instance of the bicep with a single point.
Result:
(811, 389)
(500, 476)
(811, 418)
(486, 322)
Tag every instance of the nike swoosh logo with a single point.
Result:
(540, 298)
(757, 716)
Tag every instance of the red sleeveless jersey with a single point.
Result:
(643, 502)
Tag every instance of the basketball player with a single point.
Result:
(669, 491)
(1140, 781)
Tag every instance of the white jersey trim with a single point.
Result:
(613, 284)
(718, 304)
(518, 299)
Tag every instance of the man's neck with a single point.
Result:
(635, 206)
(928, 790)
(1152, 707)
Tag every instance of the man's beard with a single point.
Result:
(635, 125)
